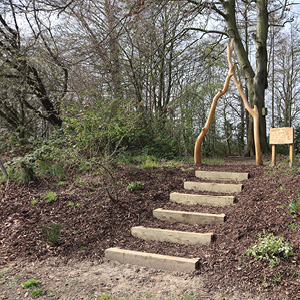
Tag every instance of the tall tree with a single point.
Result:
(256, 79)
(26, 78)
(287, 71)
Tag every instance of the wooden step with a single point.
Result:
(192, 199)
(213, 187)
(173, 216)
(173, 236)
(150, 260)
(230, 176)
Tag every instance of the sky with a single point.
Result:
(296, 8)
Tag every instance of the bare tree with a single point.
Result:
(287, 72)
(256, 80)
(32, 71)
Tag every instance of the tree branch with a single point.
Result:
(291, 20)
(206, 31)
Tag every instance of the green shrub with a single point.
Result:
(21, 169)
(135, 186)
(100, 125)
(271, 249)
(50, 168)
(51, 233)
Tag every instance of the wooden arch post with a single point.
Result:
(253, 111)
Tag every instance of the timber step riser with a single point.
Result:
(191, 199)
(173, 216)
(150, 260)
(213, 187)
(224, 176)
(173, 236)
(179, 264)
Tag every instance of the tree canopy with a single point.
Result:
(142, 74)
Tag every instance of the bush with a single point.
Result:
(271, 249)
(135, 186)
(99, 125)
(21, 169)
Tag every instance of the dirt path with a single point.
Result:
(93, 280)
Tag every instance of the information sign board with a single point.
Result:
(282, 136)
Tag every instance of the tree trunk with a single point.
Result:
(261, 74)
(2, 168)
(241, 143)
(273, 78)
(253, 111)
(114, 49)
(256, 82)
(249, 121)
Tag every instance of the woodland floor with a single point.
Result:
(77, 269)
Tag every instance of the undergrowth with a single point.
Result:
(135, 186)
(31, 283)
(50, 197)
(271, 249)
(51, 234)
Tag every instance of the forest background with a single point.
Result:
(87, 80)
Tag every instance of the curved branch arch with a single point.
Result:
(253, 111)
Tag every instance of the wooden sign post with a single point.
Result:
(282, 136)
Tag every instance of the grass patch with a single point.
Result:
(186, 169)
(4, 271)
(294, 226)
(51, 234)
(31, 283)
(62, 183)
(191, 297)
(37, 293)
(108, 297)
(281, 188)
(50, 197)
(149, 161)
(213, 161)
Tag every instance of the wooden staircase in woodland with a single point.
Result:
(181, 264)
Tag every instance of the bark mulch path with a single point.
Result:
(90, 223)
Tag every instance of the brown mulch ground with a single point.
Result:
(91, 223)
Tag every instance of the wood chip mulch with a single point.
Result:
(91, 223)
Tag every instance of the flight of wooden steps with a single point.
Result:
(180, 264)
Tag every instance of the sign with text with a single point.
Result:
(281, 136)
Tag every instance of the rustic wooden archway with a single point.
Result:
(253, 111)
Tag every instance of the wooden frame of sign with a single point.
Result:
(282, 136)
